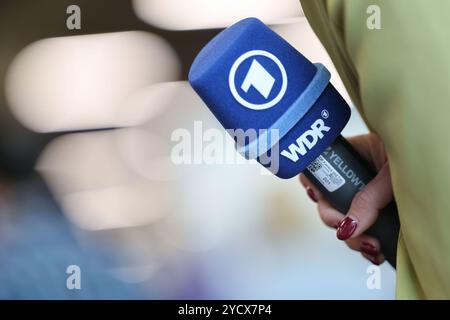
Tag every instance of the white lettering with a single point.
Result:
(303, 143)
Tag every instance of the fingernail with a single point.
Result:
(374, 260)
(369, 249)
(310, 193)
(346, 228)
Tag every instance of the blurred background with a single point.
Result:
(86, 174)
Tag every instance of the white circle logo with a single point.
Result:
(258, 77)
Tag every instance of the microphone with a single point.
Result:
(282, 111)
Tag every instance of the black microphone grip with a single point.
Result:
(339, 173)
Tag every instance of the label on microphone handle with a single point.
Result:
(323, 171)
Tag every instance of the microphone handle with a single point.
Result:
(339, 173)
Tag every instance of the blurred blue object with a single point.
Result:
(38, 244)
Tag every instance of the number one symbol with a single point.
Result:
(259, 78)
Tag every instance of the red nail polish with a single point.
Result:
(374, 260)
(346, 228)
(310, 193)
(369, 249)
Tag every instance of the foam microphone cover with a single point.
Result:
(251, 78)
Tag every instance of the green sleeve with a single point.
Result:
(399, 79)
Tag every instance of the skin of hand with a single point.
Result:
(366, 204)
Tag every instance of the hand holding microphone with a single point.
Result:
(366, 204)
(282, 111)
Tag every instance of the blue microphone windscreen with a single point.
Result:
(252, 79)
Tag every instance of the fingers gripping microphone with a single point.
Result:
(282, 111)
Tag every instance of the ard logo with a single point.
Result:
(258, 80)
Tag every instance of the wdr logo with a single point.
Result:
(306, 141)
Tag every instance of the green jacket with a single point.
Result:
(399, 78)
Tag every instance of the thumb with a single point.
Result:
(366, 205)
